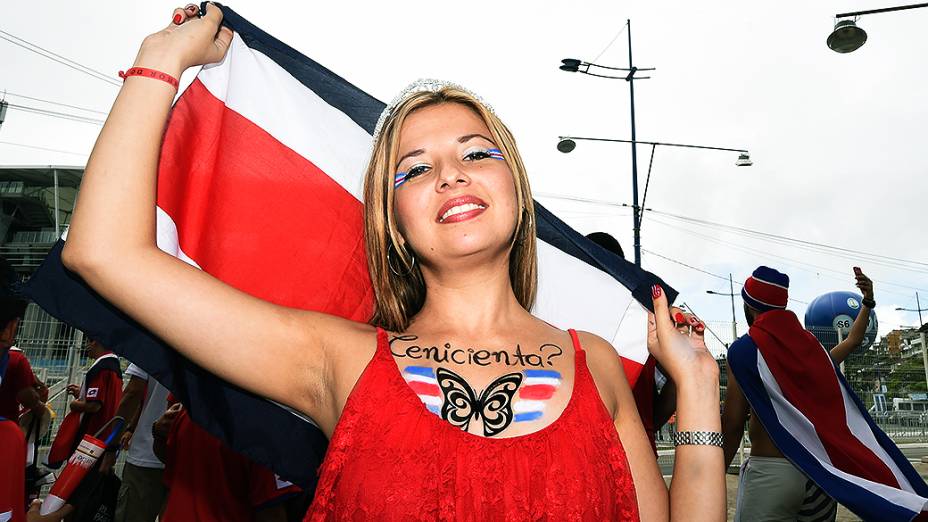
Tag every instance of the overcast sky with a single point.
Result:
(837, 141)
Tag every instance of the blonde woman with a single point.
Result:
(435, 409)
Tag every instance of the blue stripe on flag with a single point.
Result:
(424, 371)
(542, 373)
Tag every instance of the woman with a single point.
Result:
(438, 408)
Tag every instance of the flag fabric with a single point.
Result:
(819, 423)
(259, 184)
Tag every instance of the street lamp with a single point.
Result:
(731, 294)
(847, 37)
(918, 308)
(575, 65)
(567, 144)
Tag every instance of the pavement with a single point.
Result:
(914, 452)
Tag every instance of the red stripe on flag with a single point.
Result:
(806, 376)
(424, 388)
(537, 392)
(259, 216)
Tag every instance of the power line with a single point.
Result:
(55, 114)
(691, 267)
(29, 46)
(792, 240)
(42, 148)
(8, 93)
(791, 262)
(614, 38)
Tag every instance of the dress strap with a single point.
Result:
(383, 342)
(576, 341)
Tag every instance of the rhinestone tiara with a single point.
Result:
(421, 85)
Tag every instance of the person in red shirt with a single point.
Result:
(94, 404)
(208, 482)
(12, 441)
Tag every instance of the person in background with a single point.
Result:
(655, 405)
(207, 481)
(771, 487)
(94, 403)
(12, 441)
(142, 493)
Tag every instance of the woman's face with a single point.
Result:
(454, 195)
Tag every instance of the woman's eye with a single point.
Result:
(477, 155)
(416, 170)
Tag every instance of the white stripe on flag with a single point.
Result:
(167, 239)
(573, 294)
(430, 400)
(802, 430)
(293, 114)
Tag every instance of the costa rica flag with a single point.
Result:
(259, 184)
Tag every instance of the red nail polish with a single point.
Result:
(679, 318)
(177, 19)
(694, 321)
(656, 291)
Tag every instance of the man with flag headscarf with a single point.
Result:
(811, 437)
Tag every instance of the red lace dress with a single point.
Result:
(392, 459)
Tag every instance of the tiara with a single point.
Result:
(421, 85)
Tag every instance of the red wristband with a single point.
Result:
(149, 73)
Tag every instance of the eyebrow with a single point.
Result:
(462, 139)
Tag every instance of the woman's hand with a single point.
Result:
(74, 390)
(676, 340)
(187, 41)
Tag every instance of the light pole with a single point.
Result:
(847, 37)
(731, 294)
(574, 65)
(918, 308)
(567, 144)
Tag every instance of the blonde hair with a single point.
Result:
(399, 292)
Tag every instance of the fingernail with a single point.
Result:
(656, 291)
(700, 327)
(694, 321)
(679, 318)
(177, 19)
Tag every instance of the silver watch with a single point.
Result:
(701, 438)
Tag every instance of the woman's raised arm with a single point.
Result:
(111, 244)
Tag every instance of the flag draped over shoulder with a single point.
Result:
(819, 423)
(259, 184)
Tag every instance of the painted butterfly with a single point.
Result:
(462, 403)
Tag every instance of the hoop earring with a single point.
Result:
(390, 263)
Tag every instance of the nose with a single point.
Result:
(451, 176)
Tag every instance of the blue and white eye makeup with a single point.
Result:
(399, 179)
(495, 154)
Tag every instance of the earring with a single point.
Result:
(390, 262)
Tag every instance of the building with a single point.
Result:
(36, 203)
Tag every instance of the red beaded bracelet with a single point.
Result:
(149, 73)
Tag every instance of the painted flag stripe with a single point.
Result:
(430, 400)
(423, 388)
(524, 406)
(537, 392)
(424, 371)
(410, 377)
(545, 374)
(541, 380)
(530, 416)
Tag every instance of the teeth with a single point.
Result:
(467, 207)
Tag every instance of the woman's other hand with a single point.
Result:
(187, 41)
(677, 342)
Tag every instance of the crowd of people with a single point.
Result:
(450, 241)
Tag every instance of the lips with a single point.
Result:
(460, 209)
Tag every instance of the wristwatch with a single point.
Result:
(697, 438)
(869, 303)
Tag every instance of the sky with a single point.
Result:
(835, 139)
